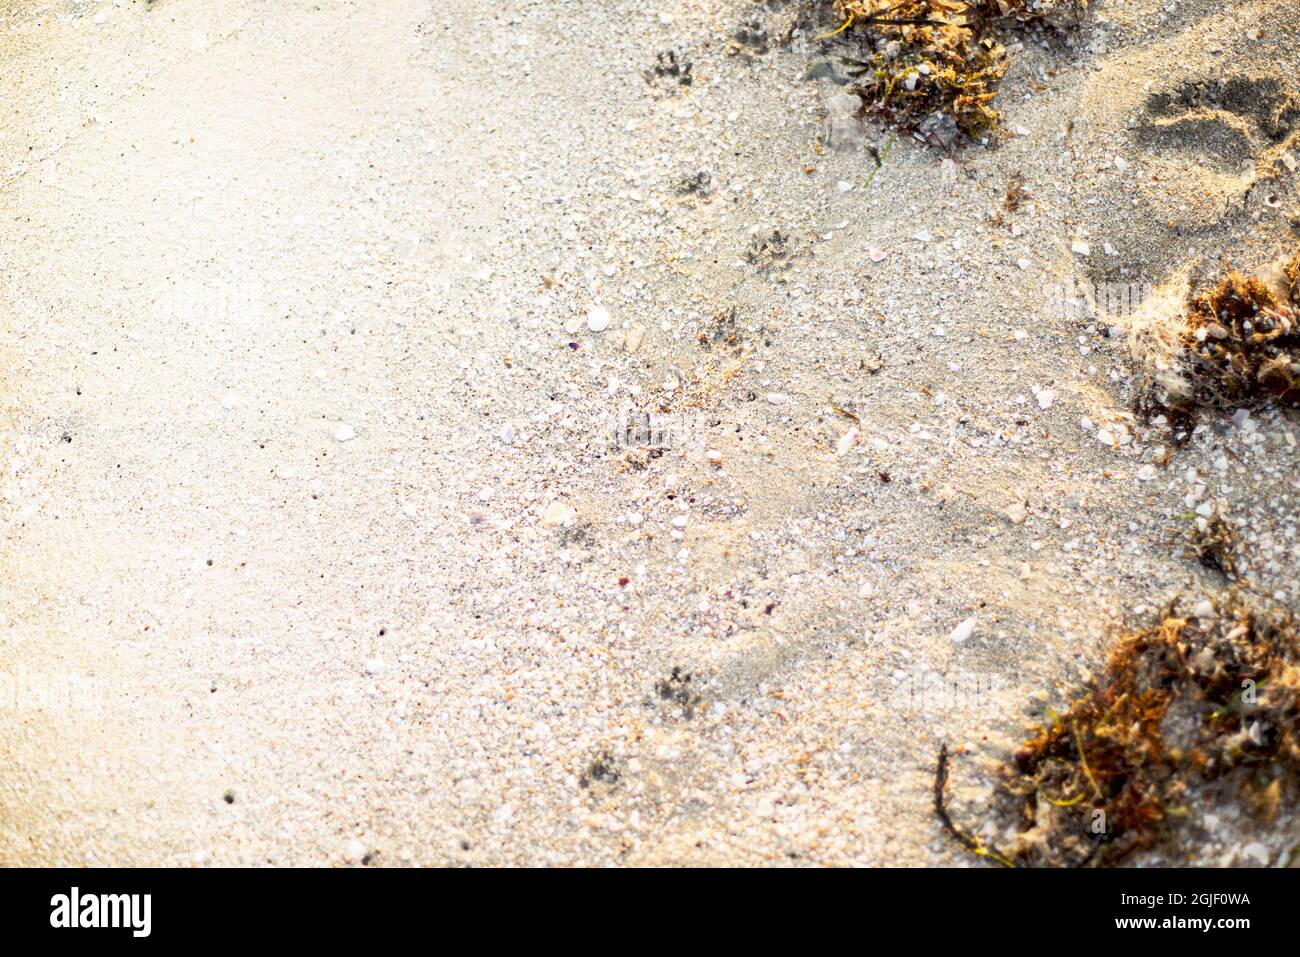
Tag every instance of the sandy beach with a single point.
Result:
(449, 433)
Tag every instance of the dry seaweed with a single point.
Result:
(935, 65)
(968, 841)
(1242, 343)
(1016, 194)
(1186, 705)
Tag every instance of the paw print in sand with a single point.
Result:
(1188, 159)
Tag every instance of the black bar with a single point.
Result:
(967, 906)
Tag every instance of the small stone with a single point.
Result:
(1045, 398)
(573, 325)
(714, 456)
(777, 398)
(344, 433)
(374, 666)
(632, 341)
(1016, 513)
(962, 631)
(1080, 248)
(1121, 163)
(848, 440)
(1204, 609)
(1147, 473)
(557, 513)
(598, 319)
(355, 851)
(1257, 852)
(844, 130)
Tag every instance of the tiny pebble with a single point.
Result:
(557, 513)
(962, 631)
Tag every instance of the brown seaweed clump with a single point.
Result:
(1191, 709)
(1242, 342)
(935, 65)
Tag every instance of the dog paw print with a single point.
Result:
(770, 252)
(671, 67)
(750, 40)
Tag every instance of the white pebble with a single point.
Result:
(1257, 852)
(598, 319)
(557, 513)
(962, 631)
(345, 432)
